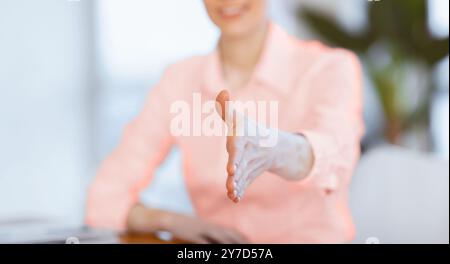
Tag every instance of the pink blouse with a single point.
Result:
(319, 91)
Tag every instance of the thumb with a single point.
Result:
(224, 109)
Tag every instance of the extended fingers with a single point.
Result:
(236, 150)
(253, 169)
(236, 167)
(245, 161)
(240, 173)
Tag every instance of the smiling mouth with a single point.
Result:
(232, 12)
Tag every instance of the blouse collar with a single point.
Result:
(270, 70)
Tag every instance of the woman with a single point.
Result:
(292, 192)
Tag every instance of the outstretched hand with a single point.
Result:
(247, 159)
(290, 156)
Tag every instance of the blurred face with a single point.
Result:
(236, 17)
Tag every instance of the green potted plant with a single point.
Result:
(400, 29)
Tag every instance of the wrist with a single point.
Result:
(281, 150)
(159, 220)
(143, 219)
(165, 221)
(291, 156)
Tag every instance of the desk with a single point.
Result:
(145, 239)
(43, 231)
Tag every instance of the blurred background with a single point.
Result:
(74, 72)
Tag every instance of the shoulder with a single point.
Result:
(319, 64)
(319, 56)
(179, 80)
(187, 67)
(308, 54)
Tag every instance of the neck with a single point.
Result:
(242, 53)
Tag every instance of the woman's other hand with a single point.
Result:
(185, 228)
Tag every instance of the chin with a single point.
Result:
(235, 18)
(236, 30)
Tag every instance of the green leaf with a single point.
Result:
(332, 33)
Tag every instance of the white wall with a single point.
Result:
(43, 107)
(136, 41)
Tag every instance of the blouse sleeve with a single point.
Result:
(145, 143)
(334, 125)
